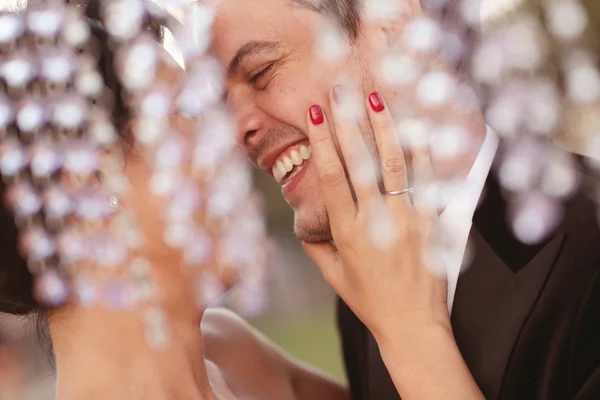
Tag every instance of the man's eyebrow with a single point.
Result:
(252, 48)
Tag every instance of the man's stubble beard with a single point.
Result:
(314, 228)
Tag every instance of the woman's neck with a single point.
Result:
(103, 354)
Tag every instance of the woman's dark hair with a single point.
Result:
(16, 282)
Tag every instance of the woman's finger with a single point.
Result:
(334, 185)
(391, 156)
(423, 179)
(355, 152)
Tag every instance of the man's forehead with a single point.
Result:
(239, 22)
(234, 15)
(290, 4)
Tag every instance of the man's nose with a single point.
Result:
(249, 119)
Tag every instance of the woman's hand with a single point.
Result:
(378, 263)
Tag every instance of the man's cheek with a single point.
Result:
(297, 93)
(289, 105)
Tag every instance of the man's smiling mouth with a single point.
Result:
(291, 161)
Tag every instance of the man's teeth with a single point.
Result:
(286, 163)
(296, 158)
(305, 152)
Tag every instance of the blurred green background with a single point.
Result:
(301, 317)
(311, 338)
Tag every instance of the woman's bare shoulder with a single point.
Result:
(224, 322)
(252, 364)
(239, 349)
(222, 327)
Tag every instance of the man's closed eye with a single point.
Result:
(259, 80)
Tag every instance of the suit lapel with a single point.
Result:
(355, 348)
(493, 300)
(492, 304)
(496, 294)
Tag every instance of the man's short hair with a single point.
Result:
(345, 12)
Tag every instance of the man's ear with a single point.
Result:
(393, 25)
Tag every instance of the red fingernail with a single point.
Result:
(316, 115)
(376, 102)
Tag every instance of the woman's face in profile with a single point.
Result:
(146, 198)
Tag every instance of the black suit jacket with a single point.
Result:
(526, 318)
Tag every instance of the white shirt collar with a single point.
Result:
(464, 202)
(459, 212)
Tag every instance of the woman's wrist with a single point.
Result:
(401, 331)
(413, 338)
(425, 362)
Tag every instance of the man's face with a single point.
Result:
(271, 47)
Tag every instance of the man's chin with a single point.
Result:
(314, 229)
(314, 237)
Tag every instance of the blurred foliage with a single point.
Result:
(311, 338)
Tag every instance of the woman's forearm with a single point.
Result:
(426, 364)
